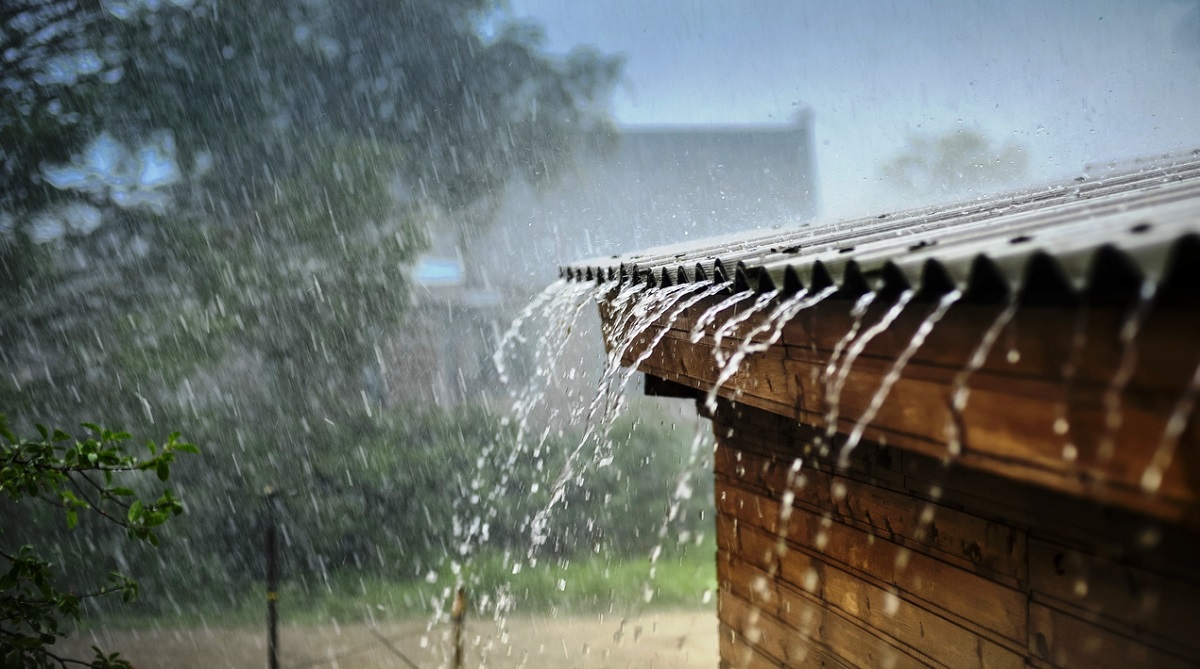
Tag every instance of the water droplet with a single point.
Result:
(838, 490)
(927, 514)
(1070, 453)
(811, 579)
(1150, 537)
(891, 604)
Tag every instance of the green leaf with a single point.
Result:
(121, 492)
(163, 470)
(136, 510)
(188, 448)
(72, 519)
(5, 431)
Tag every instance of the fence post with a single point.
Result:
(458, 615)
(272, 581)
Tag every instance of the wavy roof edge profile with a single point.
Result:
(1099, 240)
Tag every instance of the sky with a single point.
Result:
(1073, 83)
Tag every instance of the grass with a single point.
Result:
(684, 577)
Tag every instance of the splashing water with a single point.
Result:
(773, 325)
(1134, 321)
(1164, 454)
(893, 374)
(833, 397)
(961, 391)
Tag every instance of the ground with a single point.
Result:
(666, 640)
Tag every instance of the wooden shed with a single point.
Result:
(956, 437)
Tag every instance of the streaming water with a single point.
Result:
(1164, 454)
(513, 334)
(651, 307)
(856, 348)
(644, 314)
(709, 316)
(773, 328)
(961, 392)
(894, 373)
(731, 324)
(682, 492)
(857, 312)
(557, 309)
(680, 308)
(1127, 337)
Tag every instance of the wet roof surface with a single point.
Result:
(1098, 239)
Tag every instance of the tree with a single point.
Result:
(272, 167)
(955, 163)
(74, 475)
(265, 162)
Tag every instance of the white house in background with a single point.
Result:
(655, 185)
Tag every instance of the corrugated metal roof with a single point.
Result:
(1102, 238)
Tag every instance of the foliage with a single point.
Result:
(74, 475)
(313, 145)
(955, 163)
(310, 140)
(684, 578)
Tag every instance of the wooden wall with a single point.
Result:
(1017, 397)
(899, 561)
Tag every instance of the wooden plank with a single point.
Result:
(1137, 540)
(975, 601)
(746, 582)
(727, 533)
(1157, 610)
(857, 644)
(1065, 640)
(739, 653)
(972, 541)
(778, 642)
(889, 615)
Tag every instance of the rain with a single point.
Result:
(466, 333)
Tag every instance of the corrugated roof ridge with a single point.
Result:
(1139, 216)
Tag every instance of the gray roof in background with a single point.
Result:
(1097, 237)
(657, 185)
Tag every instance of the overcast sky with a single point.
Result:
(1072, 82)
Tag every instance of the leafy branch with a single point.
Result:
(75, 475)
